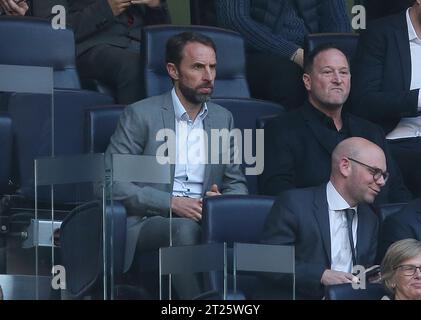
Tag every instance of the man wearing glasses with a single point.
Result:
(331, 226)
(298, 145)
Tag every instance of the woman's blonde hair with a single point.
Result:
(397, 253)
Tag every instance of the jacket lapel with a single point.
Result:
(401, 36)
(318, 131)
(321, 212)
(168, 118)
(207, 125)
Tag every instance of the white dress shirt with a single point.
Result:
(339, 242)
(190, 151)
(411, 127)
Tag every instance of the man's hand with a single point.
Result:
(119, 6)
(14, 7)
(187, 207)
(213, 191)
(149, 3)
(330, 277)
(298, 57)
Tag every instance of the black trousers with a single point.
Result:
(119, 68)
(407, 153)
(274, 78)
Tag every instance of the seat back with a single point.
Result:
(385, 210)
(100, 124)
(6, 152)
(230, 77)
(373, 291)
(246, 113)
(230, 219)
(346, 41)
(33, 42)
(32, 129)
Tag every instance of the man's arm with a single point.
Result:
(14, 7)
(334, 16)
(282, 228)
(89, 18)
(392, 229)
(279, 170)
(369, 99)
(131, 137)
(235, 15)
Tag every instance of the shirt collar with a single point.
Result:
(335, 200)
(180, 111)
(325, 120)
(412, 35)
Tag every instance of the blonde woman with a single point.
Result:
(401, 270)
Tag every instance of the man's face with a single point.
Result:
(328, 83)
(195, 76)
(361, 184)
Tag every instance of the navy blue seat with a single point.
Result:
(234, 218)
(246, 113)
(373, 291)
(33, 42)
(230, 77)
(32, 129)
(346, 41)
(385, 210)
(6, 152)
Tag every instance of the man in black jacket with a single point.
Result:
(108, 41)
(298, 145)
(386, 86)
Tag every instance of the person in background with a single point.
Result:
(401, 270)
(299, 144)
(332, 225)
(108, 40)
(274, 32)
(14, 7)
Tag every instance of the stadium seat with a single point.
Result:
(385, 210)
(234, 218)
(33, 42)
(230, 77)
(346, 41)
(373, 291)
(246, 113)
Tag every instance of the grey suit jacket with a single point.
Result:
(136, 134)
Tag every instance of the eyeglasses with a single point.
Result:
(376, 172)
(408, 269)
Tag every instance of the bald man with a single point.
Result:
(315, 220)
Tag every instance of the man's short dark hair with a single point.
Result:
(309, 60)
(176, 44)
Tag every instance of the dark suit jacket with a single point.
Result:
(401, 225)
(93, 23)
(381, 76)
(298, 149)
(301, 218)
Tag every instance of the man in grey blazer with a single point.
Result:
(108, 39)
(191, 64)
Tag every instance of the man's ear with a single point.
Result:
(172, 71)
(307, 81)
(345, 167)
